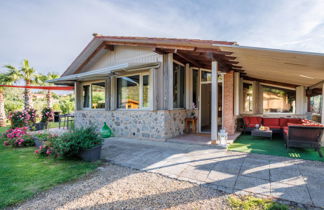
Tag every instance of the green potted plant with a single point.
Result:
(47, 115)
(83, 142)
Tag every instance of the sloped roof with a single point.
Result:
(98, 42)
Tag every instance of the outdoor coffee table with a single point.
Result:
(261, 133)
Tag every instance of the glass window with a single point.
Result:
(278, 100)
(133, 92)
(247, 97)
(195, 83)
(178, 86)
(146, 93)
(128, 92)
(86, 96)
(98, 95)
(316, 104)
(205, 76)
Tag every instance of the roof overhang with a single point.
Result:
(292, 67)
(104, 72)
(197, 52)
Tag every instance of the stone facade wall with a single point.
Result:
(159, 125)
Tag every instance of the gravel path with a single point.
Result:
(116, 187)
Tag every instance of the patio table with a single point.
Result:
(261, 133)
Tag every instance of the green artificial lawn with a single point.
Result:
(23, 174)
(276, 146)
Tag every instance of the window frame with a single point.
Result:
(253, 97)
(141, 74)
(278, 87)
(90, 94)
(184, 85)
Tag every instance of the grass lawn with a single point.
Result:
(249, 202)
(23, 174)
(276, 146)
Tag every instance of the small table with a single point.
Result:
(190, 121)
(261, 133)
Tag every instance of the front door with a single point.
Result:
(205, 107)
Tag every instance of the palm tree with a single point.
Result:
(26, 73)
(42, 79)
(5, 79)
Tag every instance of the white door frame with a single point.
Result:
(199, 98)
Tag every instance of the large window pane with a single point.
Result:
(205, 76)
(316, 104)
(98, 95)
(86, 96)
(146, 93)
(195, 83)
(128, 92)
(278, 100)
(178, 86)
(247, 97)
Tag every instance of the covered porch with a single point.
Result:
(262, 82)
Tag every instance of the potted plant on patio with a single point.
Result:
(84, 143)
(47, 115)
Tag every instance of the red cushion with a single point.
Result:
(271, 122)
(246, 120)
(255, 120)
(283, 122)
(294, 120)
(251, 125)
(274, 126)
(285, 132)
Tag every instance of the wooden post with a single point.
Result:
(108, 94)
(214, 103)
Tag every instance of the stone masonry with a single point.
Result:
(158, 125)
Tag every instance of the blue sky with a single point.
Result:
(52, 33)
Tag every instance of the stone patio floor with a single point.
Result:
(276, 177)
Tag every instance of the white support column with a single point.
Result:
(300, 100)
(223, 92)
(188, 83)
(236, 93)
(322, 104)
(214, 103)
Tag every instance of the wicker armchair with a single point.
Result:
(304, 137)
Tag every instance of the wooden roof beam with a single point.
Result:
(190, 60)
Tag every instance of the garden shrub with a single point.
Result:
(18, 137)
(47, 115)
(71, 144)
(19, 119)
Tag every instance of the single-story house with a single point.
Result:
(146, 87)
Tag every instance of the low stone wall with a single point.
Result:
(159, 125)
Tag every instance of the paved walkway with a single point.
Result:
(232, 172)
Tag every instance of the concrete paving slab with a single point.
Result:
(254, 185)
(290, 179)
(296, 193)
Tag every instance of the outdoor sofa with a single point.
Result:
(277, 125)
(307, 135)
(297, 132)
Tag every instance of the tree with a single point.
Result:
(42, 79)
(5, 79)
(26, 73)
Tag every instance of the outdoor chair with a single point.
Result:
(304, 137)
